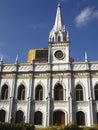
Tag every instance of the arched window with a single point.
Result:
(58, 117)
(64, 38)
(80, 117)
(97, 117)
(39, 93)
(38, 118)
(2, 115)
(59, 39)
(79, 93)
(58, 92)
(53, 39)
(19, 116)
(4, 92)
(96, 92)
(21, 92)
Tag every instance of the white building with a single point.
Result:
(52, 88)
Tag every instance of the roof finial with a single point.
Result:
(16, 61)
(1, 59)
(86, 57)
(58, 3)
(67, 36)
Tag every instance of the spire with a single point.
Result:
(58, 32)
(58, 20)
(16, 60)
(1, 59)
(86, 57)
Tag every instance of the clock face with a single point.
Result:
(59, 54)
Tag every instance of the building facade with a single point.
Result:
(51, 88)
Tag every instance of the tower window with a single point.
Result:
(64, 38)
(59, 39)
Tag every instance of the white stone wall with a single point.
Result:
(30, 81)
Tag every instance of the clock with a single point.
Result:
(59, 54)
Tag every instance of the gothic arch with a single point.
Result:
(24, 84)
(59, 117)
(80, 118)
(79, 92)
(21, 93)
(97, 117)
(39, 92)
(58, 92)
(96, 92)
(38, 118)
(80, 83)
(4, 91)
(2, 115)
(60, 82)
(19, 116)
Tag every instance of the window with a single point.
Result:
(64, 38)
(38, 118)
(21, 92)
(2, 115)
(59, 39)
(79, 93)
(97, 117)
(96, 92)
(19, 116)
(58, 92)
(4, 92)
(80, 117)
(39, 93)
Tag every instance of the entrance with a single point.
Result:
(58, 118)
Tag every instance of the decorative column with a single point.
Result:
(49, 95)
(48, 110)
(12, 97)
(1, 64)
(89, 82)
(30, 96)
(29, 100)
(90, 99)
(70, 98)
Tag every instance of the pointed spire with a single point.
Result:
(58, 20)
(86, 57)
(67, 36)
(16, 60)
(58, 32)
(1, 59)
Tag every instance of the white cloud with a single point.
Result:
(85, 16)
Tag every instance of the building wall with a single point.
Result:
(31, 79)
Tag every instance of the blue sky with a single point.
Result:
(25, 24)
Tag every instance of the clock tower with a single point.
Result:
(59, 43)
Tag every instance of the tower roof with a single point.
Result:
(58, 20)
(58, 32)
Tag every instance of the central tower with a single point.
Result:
(59, 41)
